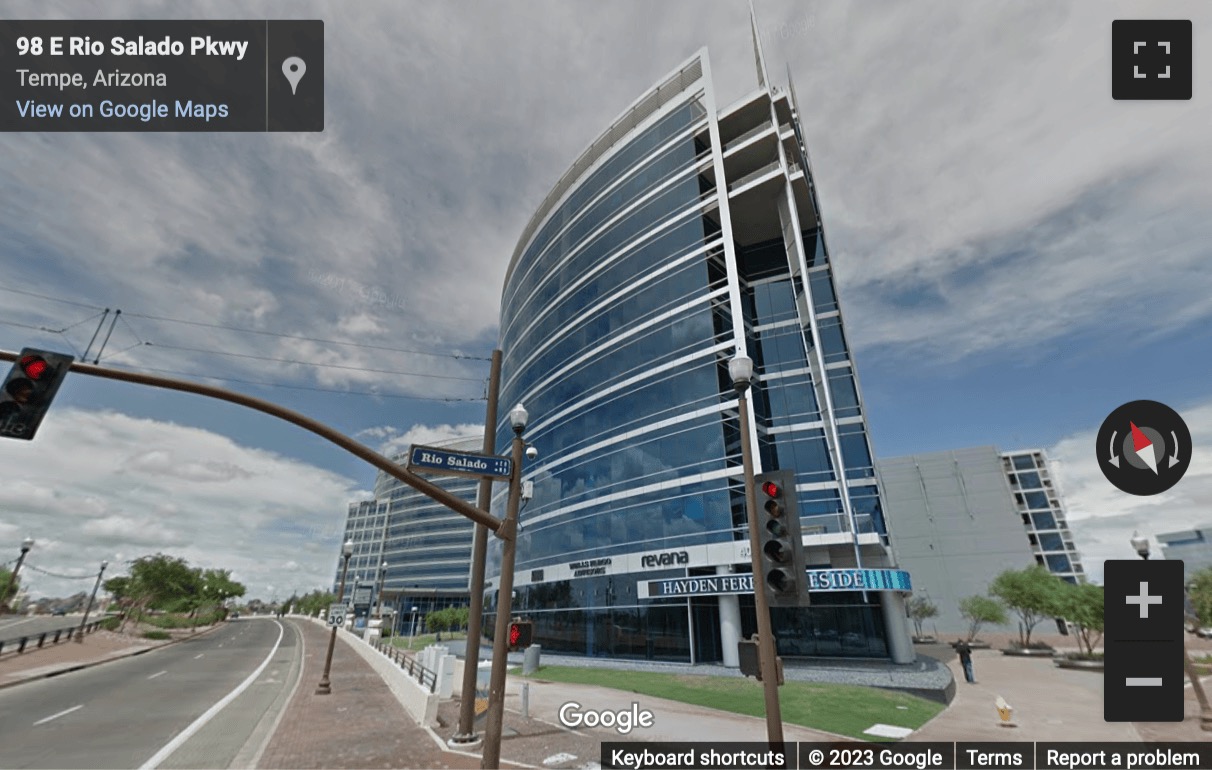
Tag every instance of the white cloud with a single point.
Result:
(139, 486)
(1102, 518)
(426, 434)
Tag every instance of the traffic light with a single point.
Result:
(521, 634)
(779, 534)
(29, 390)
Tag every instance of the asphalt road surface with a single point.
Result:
(177, 706)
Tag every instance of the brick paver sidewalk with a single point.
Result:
(360, 725)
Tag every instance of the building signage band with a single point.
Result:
(459, 463)
(818, 580)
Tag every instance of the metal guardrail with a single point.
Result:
(55, 635)
(426, 677)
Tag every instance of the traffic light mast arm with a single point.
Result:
(422, 485)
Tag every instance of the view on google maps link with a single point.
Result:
(556, 384)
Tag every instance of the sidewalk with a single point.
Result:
(1050, 704)
(97, 647)
(359, 725)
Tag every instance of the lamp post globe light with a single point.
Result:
(1141, 546)
(26, 544)
(325, 686)
(491, 755)
(89, 607)
(740, 369)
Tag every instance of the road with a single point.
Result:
(177, 706)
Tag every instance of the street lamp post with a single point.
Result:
(412, 627)
(740, 368)
(325, 687)
(491, 757)
(382, 584)
(1141, 546)
(89, 607)
(26, 544)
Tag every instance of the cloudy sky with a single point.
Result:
(1017, 254)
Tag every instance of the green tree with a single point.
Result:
(1200, 591)
(5, 594)
(1033, 594)
(920, 610)
(979, 610)
(1082, 605)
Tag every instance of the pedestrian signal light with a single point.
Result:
(521, 634)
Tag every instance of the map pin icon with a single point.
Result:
(294, 68)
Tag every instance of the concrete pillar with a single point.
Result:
(896, 626)
(446, 667)
(730, 623)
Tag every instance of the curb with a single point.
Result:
(70, 667)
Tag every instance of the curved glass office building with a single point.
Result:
(427, 546)
(685, 234)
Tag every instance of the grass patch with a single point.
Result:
(111, 624)
(157, 635)
(842, 709)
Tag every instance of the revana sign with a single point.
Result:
(667, 559)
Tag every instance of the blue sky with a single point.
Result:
(1017, 254)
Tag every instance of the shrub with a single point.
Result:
(111, 624)
(157, 635)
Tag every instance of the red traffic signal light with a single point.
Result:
(782, 549)
(28, 391)
(34, 367)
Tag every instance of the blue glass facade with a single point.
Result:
(671, 245)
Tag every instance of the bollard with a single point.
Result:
(530, 659)
(42, 639)
(57, 635)
(526, 700)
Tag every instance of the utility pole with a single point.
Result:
(479, 551)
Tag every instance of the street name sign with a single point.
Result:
(459, 463)
(336, 614)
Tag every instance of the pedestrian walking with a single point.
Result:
(965, 655)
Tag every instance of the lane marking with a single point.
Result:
(56, 716)
(158, 673)
(183, 736)
(200, 654)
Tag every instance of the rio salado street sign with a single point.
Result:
(459, 463)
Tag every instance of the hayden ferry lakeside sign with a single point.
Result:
(818, 580)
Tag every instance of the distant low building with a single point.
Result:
(1193, 546)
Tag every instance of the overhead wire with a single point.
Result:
(300, 387)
